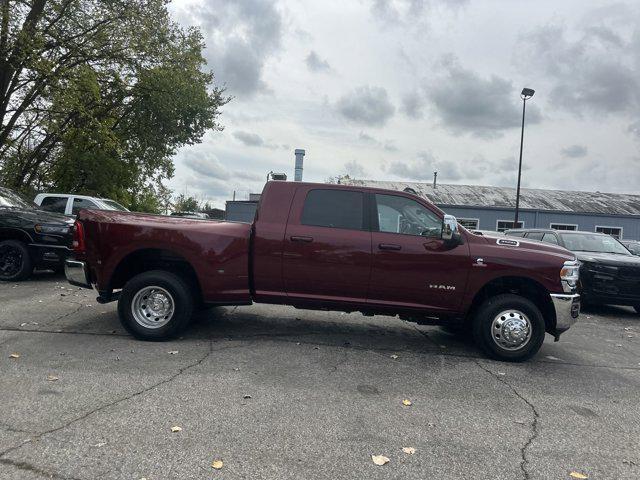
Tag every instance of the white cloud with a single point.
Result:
(302, 78)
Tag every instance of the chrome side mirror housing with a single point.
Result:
(449, 228)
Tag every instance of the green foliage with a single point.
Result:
(96, 96)
(186, 204)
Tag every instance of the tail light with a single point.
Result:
(78, 238)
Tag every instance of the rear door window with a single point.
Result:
(54, 204)
(334, 209)
(80, 203)
(535, 235)
(550, 238)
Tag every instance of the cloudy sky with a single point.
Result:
(397, 89)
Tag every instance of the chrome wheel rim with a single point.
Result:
(153, 307)
(511, 330)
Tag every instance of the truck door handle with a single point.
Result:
(389, 246)
(296, 238)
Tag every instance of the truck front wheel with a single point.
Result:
(509, 327)
(155, 305)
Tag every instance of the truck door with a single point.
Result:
(327, 246)
(412, 266)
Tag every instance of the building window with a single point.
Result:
(615, 232)
(469, 223)
(502, 225)
(563, 226)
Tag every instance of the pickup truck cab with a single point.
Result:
(333, 247)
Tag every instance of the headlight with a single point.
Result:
(52, 229)
(569, 275)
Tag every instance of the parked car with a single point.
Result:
(609, 273)
(200, 215)
(330, 247)
(632, 245)
(30, 238)
(72, 204)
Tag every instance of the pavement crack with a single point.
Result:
(114, 402)
(65, 315)
(8, 428)
(33, 469)
(533, 425)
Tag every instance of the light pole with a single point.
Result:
(526, 94)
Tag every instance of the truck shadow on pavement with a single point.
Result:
(329, 329)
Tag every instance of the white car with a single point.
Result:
(72, 204)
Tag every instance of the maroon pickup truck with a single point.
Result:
(330, 247)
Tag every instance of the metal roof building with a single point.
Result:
(492, 208)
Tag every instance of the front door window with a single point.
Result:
(402, 215)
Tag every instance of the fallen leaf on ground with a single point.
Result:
(379, 459)
(578, 475)
(409, 450)
(172, 352)
(551, 357)
(52, 378)
(176, 429)
(217, 464)
(14, 355)
(394, 357)
(24, 324)
(101, 444)
(407, 403)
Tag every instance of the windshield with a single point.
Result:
(114, 205)
(585, 242)
(9, 199)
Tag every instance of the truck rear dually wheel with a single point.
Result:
(155, 305)
(509, 327)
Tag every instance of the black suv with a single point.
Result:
(30, 238)
(609, 273)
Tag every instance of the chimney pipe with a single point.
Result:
(435, 176)
(299, 161)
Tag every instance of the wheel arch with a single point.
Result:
(7, 233)
(147, 259)
(518, 285)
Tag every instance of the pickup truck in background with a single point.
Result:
(331, 247)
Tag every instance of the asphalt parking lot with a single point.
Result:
(279, 393)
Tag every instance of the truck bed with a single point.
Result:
(216, 251)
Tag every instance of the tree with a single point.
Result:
(186, 204)
(97, 95)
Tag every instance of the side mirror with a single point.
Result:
(449, 228)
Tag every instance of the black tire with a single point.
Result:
(490, 309)
(15, 261)
(179, 295)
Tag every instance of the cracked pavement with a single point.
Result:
(325, 396)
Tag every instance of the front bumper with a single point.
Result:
(77, 273)
(567, 308)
